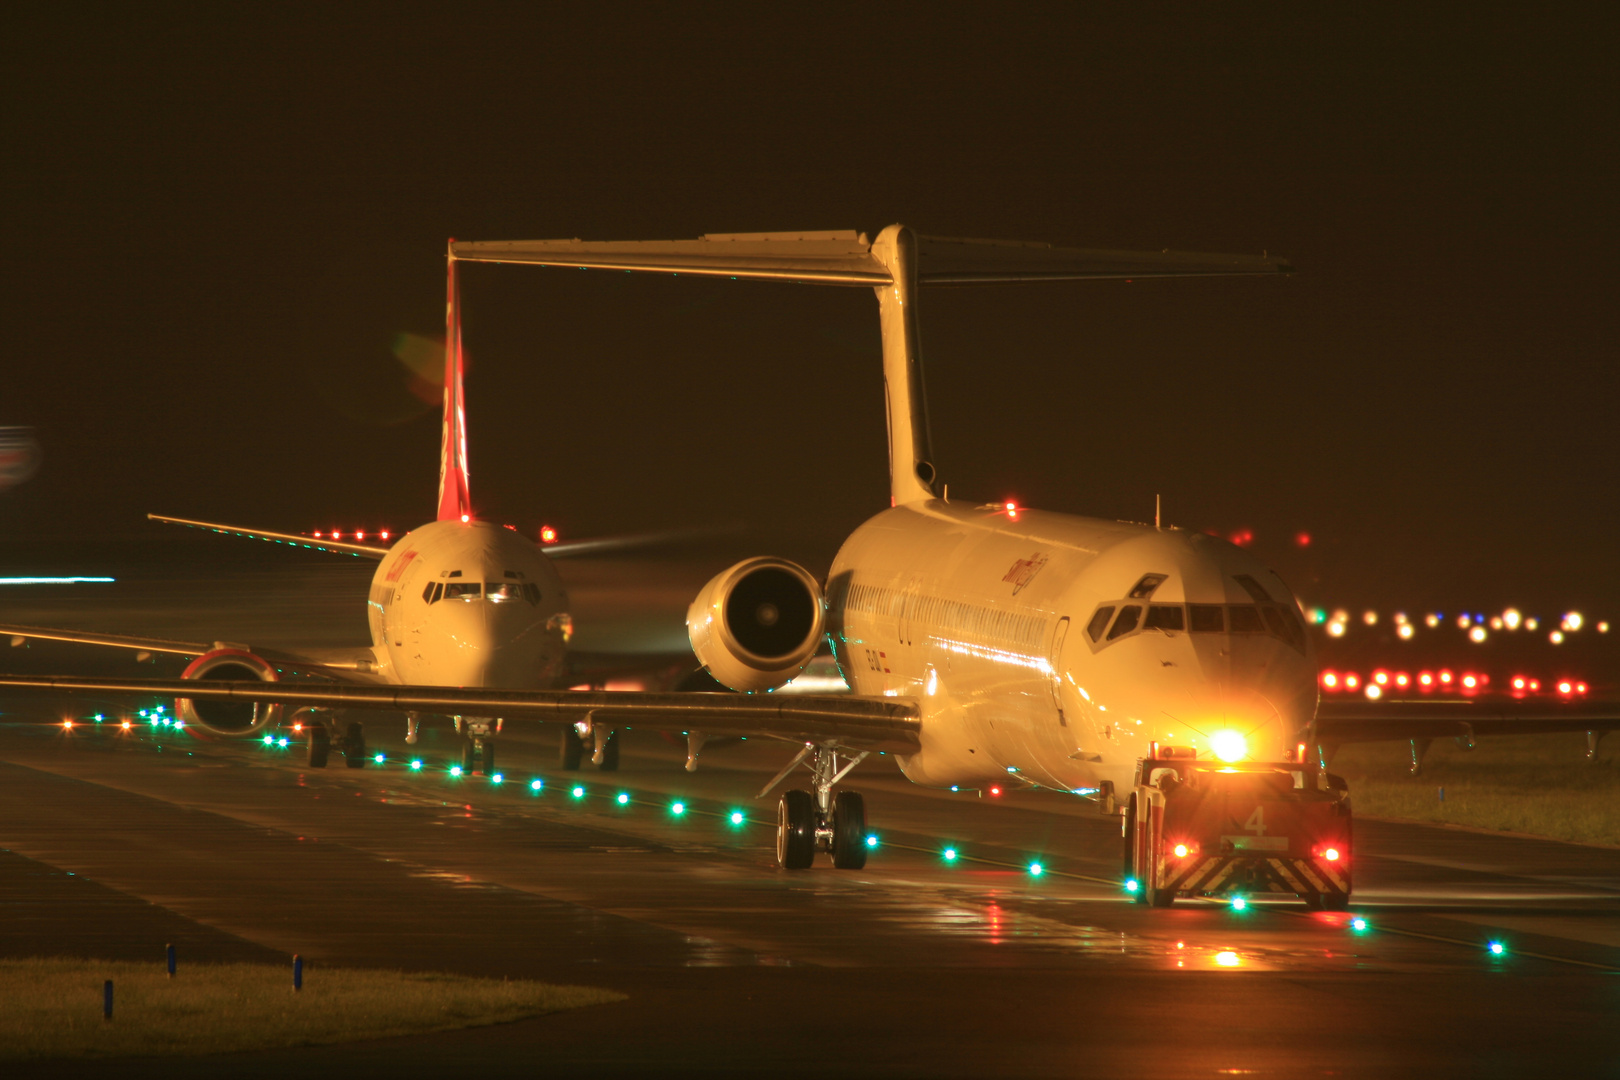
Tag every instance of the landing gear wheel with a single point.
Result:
(486, 755)
(354, 745)
(796, 830)
(849, 831)
(469, 755)
(1160, 898)
(610, 754)
(320, 745)
(571, 750)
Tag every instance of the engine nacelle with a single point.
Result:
(756, 625)
(229, 718)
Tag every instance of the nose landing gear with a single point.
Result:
(807, 823)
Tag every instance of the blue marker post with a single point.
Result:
(298, 972)
(106, 1000)
(171, 961)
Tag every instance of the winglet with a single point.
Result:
(455, 500)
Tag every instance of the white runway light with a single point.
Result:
(53, 580)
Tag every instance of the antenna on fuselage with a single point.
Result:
(1157, 507)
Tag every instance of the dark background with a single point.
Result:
(219, 219)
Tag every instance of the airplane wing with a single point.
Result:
(866, 723)
(845, 258)
(355, 659)
(1339, 722)
(360, 551)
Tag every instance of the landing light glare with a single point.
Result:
(1229, 745)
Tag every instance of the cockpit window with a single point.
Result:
(1207, 618)
(1099, 622)
(1126, 621)
(502, 591)
(532, 591)
(1253, 588)
(1245, 619)
(427, 593)
(1147, 585)
(462, 590)
(1165, 617)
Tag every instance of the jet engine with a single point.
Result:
(756, 625)
(230, 718)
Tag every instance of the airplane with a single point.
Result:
(455, 602)
(985, 643)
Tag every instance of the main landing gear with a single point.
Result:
(478, 745)
(604, 743)
(808, 822)
(351, 744)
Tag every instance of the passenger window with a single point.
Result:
(1245, 619)
(1147, 585)
(1165, 617)
(502, 591)
(1126, 621)
(427, 594)
(1099, 622)
(1206, 618)
(462, 590)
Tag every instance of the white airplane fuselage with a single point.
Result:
(991, 619)
(468, 604)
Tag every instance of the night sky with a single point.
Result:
(221, 219)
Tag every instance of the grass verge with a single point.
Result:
(1537, 784)
(52, 1008)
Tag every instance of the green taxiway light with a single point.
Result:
(578, 792)
(871, 840)
(1497, 948)
(536, 785)
(455, 770)
(1239, 904)
(1036, 869)
(1358, 924)
(497, 778)
(379, 758)
(624, 798)
(737, 817)
(416, 764)
(677, 808)
(949, 854)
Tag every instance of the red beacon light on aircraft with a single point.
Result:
(1012, 510)
(548, 535)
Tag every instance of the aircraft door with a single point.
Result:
(1056, 660)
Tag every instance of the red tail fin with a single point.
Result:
(455, 501)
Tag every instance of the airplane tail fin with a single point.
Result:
(455, 500)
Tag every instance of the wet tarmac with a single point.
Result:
(117, 843)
